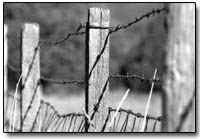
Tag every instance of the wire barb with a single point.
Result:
(133, 76)
(67, 37)
(78, 82)
(138, 115)
(119, 27)
(137, 19)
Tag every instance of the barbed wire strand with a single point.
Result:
(137, 19)
(119, 27)
(67, 37)
(132, 77)
(55, 114)
(63, 82)
(139, 115)
(126, 76)
(111, 30)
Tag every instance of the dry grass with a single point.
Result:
(136, 101)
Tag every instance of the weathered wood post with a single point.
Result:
(179, 76)
(30, 75)
(97, 67)
(5, 48)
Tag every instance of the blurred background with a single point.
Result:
(137, 50)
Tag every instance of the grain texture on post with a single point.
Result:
(179, 75)
(30, 75)
(97, 66)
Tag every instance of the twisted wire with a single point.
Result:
(119, 27)
(139, 115)
(64, 39)
(133, 76)
(54, 81)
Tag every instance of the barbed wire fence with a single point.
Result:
(75, 122)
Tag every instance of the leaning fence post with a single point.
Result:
(5, 70)
(30, 100)
(179, 75)
(97, 67)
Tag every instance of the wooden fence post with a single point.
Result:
(30, 75)
(5, 70)
(97, 67)
(179, 76)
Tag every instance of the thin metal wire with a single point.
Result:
(81, 123)
(31, 102)
(134, 76)
(136, 114)
(133, 124)
(139, 124)
(63, 82)
(119, 27)
(125, 123)
(137, 19)
(54, 116)
(64, 39)
(60, 123)
(36, 117)
(82, 81)
(146, 124)
(154, 126)
(70, 124)
(63, 127)
(74, 125)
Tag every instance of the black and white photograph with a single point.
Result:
(99, 67)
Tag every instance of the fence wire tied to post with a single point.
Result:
(55, 119)
(126, 26)
(111, 29)
(50, 80)
(81, 81)
(74, 122)
(119, 27)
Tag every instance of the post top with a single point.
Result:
(30, 26)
